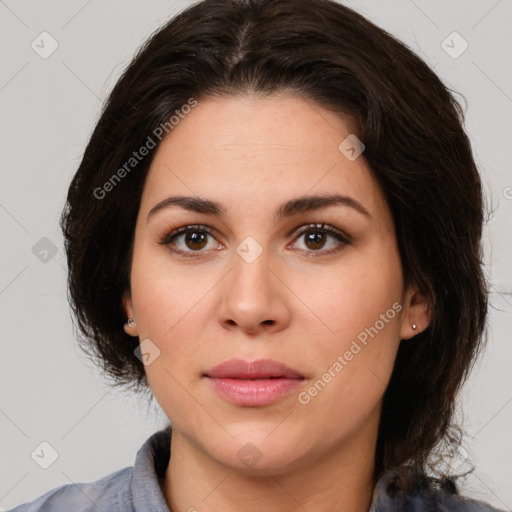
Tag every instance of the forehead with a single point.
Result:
(249, 152)
(274, 126)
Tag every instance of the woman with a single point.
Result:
(275, 229)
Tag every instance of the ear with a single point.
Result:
(129, 328)
(417, 311)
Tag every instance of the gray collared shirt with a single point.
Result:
(137, 489)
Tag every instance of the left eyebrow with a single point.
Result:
(289, 208)
(312, 203)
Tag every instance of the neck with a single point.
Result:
(341, 479)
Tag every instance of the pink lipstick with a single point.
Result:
(253, 384)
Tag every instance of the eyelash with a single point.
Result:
(319, 228)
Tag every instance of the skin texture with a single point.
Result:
(251, 154)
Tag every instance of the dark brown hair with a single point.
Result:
(415, 144)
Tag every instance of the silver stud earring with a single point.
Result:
(130, 322)
(414, 326)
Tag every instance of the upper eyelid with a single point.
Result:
(321, 226)
(167, 237)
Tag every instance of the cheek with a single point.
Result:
(358, 335)
(164, 294)
(172, 305)
(346, 298)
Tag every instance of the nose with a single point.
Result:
(254, 297)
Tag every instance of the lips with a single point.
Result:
(260, 369)
(252, 384)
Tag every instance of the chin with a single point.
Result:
(259, 455)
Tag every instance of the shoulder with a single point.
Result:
(425, 498)
(131, 489)
(446, 501)
(104, 494)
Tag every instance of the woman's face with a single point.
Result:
(254, 282)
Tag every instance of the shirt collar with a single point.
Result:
(150, 464)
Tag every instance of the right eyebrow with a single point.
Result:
(191, 203)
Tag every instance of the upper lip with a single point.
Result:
(259, 369)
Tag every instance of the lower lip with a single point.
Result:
(252, 393)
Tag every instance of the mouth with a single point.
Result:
(260, 369)
(252, 384)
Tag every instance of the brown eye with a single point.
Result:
(195, 240)
(315, 241)
(318, 236)
(190, 241)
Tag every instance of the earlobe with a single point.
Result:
(130, 327)
(417, 313)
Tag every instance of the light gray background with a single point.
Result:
(49, 390)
